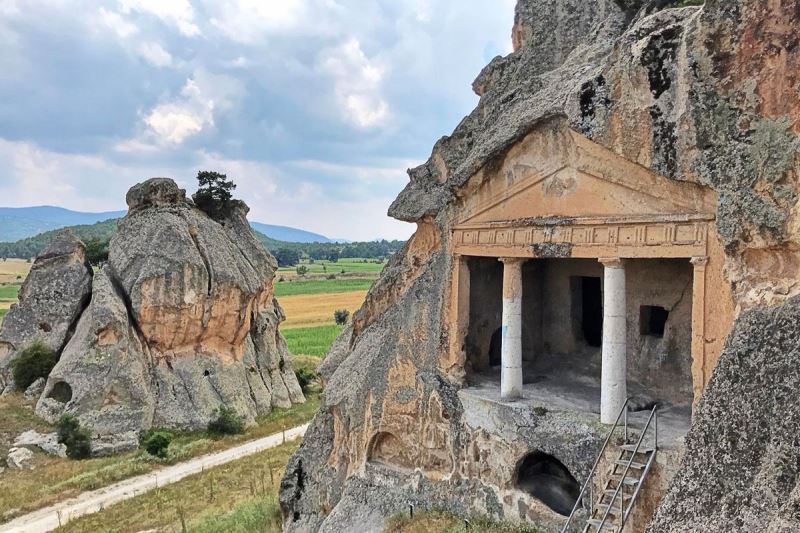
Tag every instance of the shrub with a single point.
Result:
(305, 378)
(340, 316)
(302, 270)
(156, 442)
(34, 362)
(331, 276)
(74, 437)
(227, 422)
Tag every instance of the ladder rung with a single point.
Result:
(634, 464)
(632, 447)
(628, 479)
(612, 492)
(614, 510)
(596, 523)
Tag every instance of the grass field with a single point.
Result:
(311, 341)
(342, 266)
(55, 479)
(307, 310)
(321, 286)
(238, 497)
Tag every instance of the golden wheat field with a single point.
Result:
(13, 270)
(306, 310)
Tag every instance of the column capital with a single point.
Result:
(612, 262)
(699, 261)
(512, 260)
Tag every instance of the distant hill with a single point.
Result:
(287, 234)
(17, 223)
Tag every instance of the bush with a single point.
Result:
(305, 378)
(227, 422)
(340, 316)
(331, 276)
(156, 442)
(74, 437)
(34, 362)
(302, 270)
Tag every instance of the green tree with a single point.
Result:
(287, 257)
(214, 194)
(96, 251)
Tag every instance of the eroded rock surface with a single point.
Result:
(702, 94)
(180, 321)
(51, 299)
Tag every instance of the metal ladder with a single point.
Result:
(627, 475)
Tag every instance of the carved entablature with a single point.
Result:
(655, 236)
(558, 194)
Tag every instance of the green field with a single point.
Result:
(9, 292)
(322, 286)
(343, 264)
(311, 341)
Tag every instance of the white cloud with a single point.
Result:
(357, 82)
(248, 21)
(203, 96)
(117, 23)
(154, 54)
(35, 176)
(178, 13)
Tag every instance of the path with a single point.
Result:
(49, 518)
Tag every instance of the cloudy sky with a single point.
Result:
(314, 107)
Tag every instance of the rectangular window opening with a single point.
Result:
(652, 320)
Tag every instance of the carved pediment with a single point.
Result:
(557, 172)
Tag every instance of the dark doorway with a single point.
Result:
(496, 348)
(545, 478)
(652, 320)
(592, 314)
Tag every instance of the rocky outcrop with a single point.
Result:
(51, 299)
(742, 453)
(182, 320)
(702, 94)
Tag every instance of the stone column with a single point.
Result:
(511, 354)
(699, 377)
(613, 381)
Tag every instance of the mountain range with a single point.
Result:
(18, 223)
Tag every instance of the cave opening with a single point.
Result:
(545, 478)
(61, 392)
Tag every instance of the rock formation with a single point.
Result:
(704, 94)
(50, 301)
(182, 320)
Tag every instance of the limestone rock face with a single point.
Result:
(50, 301)
(182, 320)
(701, 94)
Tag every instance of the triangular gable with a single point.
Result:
(556, 172)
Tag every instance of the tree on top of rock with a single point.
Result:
(214, 194)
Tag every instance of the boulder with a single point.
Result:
(35, 389)
(51, 299)
(19, 458)
(47, 442)
(182, 320)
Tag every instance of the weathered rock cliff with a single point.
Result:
(705, 94)
(182, 320)
(51, 299)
